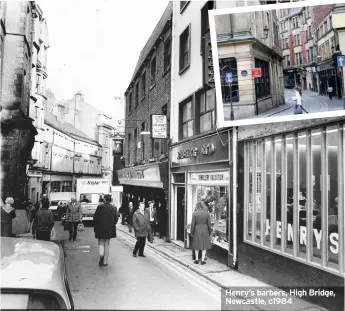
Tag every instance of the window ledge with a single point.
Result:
(184, 69)
(152, 86)
(142, 98)
(167, 70)
(184, 7)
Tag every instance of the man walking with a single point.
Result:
(73, 217)
(152, 215)
(43, 223)
(141, 225)
(130, 216)
(105, 219)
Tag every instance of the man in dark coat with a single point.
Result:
(105, 219)
(43, 223)
(45, 202)
(141, 225)
(130, 216)
(151, 212)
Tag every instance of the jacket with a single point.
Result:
(154, 213)
(44, 220)
(73, 212)
(105, 218)
(141, 224)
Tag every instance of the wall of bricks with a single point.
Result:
(156, 96)
(319, 12)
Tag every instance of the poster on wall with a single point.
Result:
(159, 126)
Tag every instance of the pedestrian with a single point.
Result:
(152, 215)
(201, 231)
(122, 212)
(32, 216)
(298, 107)
(73, 217)
(141, 225)
(330, 92)
(45, 202)
(7, 214)
(130, 216)
(43, 223)
(28, 207)
(105, 219)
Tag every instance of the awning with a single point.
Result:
(153, 175)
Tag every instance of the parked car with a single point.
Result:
(33, 275)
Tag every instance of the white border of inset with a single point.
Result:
(221, 123)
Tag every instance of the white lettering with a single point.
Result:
(279, 229)
(317, 235)
(334, 240)
(268, 227)
(290, 233)
(302, 235)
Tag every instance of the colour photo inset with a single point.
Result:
(279, 64)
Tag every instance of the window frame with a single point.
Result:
(264, 84)
(137, 91)
(192, 118)
(143, 85)
(183, 67)
(209, 111)
(153, 76)
(167, 56)
(184, 6)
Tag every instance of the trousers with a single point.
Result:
(140, 245)
(73, 230)
(43, 235)
(104, 245)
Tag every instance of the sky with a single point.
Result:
(95, 45)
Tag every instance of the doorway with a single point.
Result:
(180, 213)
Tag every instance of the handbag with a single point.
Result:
(80, 227)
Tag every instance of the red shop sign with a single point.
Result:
(256, 73)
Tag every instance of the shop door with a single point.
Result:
(180, 208)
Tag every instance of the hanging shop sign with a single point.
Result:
(212, 177)
(46, 178)
(159, 126)
(32, 173)
(201, 151)
(118, 147)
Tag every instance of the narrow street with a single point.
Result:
(131, 283)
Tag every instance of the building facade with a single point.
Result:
(146, 158)
(38, 99)
(69, 154)
(17, 130)
(246, 41)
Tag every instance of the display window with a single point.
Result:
(214, 188)
(294, 185)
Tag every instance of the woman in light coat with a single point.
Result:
(201, 231)
(7, 214)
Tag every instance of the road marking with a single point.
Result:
(203, 284)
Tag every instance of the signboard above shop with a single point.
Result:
(159, 126)
(220, 177)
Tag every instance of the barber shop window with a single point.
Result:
(293, 188)
(262, 84)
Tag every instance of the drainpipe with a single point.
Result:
(234, 196)
(231, 26)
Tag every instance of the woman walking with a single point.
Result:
(298, 107)
(201, 231)
(105, 219)
(7, 214)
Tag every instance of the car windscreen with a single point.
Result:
(93, 198)
(54, 203)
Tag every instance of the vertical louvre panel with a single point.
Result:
(295, 195)
(273, 194)
(341, 192)
(246, 190)
(254, 191)
(263, 193)
(324, 197)
(310, 199)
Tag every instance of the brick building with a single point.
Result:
(146, 173)
(17, 130)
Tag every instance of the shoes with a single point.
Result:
(70, 238)
(130, 230)
(196, 262)
(134, 255)
(203, 262)
(101, 261)
(141, 255)
(105, 264)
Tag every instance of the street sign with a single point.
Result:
(341, 61)
(244, 73)
(256, 73)
(228, 77)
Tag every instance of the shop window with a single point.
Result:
(185, 45)
(67, 186)
(217, 199)
(207, 110)
(55, 186)
(229, 65)
(187, 120)
(300, 201)
(262, 84)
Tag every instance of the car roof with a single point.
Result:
(32, 265)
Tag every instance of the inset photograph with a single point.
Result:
(280, 62)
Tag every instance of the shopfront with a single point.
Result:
(292, 204)
(201, 168)
(147, 182)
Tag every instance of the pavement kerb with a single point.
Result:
(280, 111)
(190, 267)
